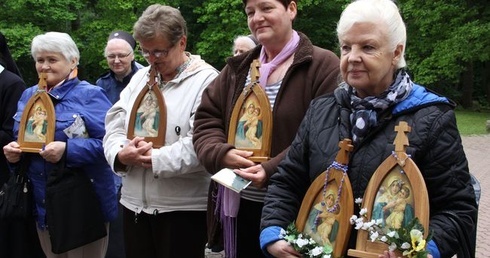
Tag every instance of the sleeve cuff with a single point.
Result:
(433, 249)
(269, 235)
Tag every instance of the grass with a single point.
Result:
(472, 122)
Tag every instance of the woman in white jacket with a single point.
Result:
(164, 190)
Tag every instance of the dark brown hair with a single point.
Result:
(283, 2)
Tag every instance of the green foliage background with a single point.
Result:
(448, 46)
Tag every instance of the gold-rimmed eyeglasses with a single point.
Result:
(120, 56)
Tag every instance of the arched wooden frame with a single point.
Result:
(253, 92)
(151, 87)
(364, 246)
(314, 195)
(40, 99)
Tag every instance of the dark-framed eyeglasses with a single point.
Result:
(120, 56)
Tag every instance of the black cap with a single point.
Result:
(119, 34)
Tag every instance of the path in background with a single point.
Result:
(477, 149)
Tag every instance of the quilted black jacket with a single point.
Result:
(435, 146)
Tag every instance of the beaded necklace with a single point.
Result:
(342, 157)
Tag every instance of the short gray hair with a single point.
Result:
(57, 42)
(384, 11)
(160, 20)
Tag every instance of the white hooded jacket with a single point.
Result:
(178, 181)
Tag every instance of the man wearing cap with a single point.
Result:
(119, 53)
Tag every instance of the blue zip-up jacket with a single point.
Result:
(74, 99)
(435, 146)
(112, 86)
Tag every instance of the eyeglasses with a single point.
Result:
(156, 53)
(120, 56)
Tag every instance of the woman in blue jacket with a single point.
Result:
(75, 103)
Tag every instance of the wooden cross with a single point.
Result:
(254, 70)
(343, 154)
(42, 84)
(401, 141)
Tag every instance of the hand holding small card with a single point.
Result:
(229, 179)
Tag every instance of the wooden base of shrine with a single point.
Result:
(366, 254)
(258, 159)
(29, 149)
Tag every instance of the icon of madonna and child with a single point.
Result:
(147, 117)
(393, 205)
(250, 126)
(37, 124)
(322, 224)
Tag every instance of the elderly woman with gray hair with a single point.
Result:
(375, 95)
(76, 102)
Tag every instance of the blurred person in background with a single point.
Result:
(119, 53)
(242, 44)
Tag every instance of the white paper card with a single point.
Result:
(229, 179)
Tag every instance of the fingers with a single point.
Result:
(53, 151)
(136, 153)
(12, 152)
(237, 159)
(256, 174)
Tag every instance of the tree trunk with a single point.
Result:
(486, 80)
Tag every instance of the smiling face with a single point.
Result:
(367, 62)
(270, 22)
(119, 56)
(54, 64)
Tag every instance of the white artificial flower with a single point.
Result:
(317, 251)
(353, 219)
(366, 226)
(374, 235)
(406, 245)
(384, 239)
(391, 234)
(363, 211)
(359, 225)
(416, 234)
(301, 242)
(392, 247)
(282, 233)
(358, 200)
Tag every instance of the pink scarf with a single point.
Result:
(267, 68)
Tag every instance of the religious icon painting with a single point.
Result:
(327, 206)
(149, 113)
(395, 195)
(38, 121)
(251, 120)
